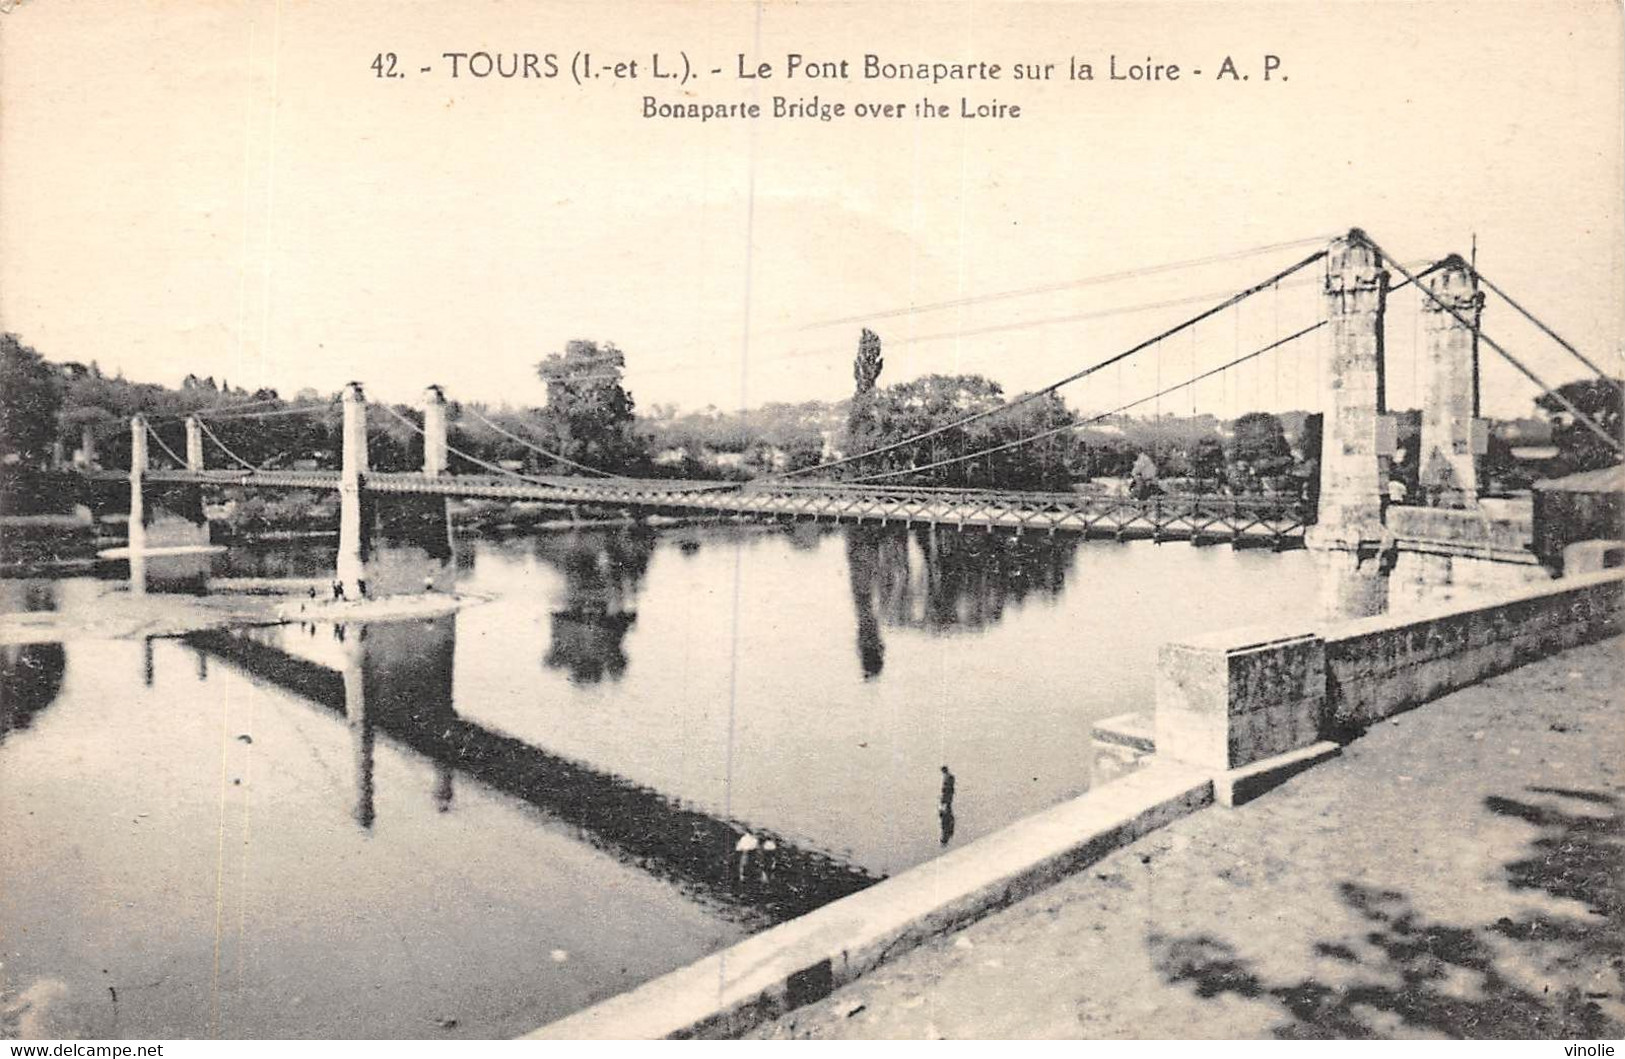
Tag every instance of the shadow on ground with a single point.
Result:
(1407, 975)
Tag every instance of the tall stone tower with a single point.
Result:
(1357, 442)
(1452, 438)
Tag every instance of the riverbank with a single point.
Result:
(66, 545)
(119, 615)
(1476, 892)
(116, 614)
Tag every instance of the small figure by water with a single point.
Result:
(338, 591)
(945, 806)
(770, 859)
(747, 845)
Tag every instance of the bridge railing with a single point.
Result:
(313, 479)
(1177, 514)
(1211, 503)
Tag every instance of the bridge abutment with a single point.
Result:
(1349, 539)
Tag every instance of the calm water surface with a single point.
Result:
(475, 824)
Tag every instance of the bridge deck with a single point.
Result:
(1175, 517)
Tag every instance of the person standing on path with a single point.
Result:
(945, 806)
(747, 845)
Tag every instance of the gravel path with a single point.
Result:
(1456, 873)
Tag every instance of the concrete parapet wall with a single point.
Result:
(1376, 667)
(1230, 699)
(1421, 581)
(1225, 701)
(1471, 527)
(1589, 557)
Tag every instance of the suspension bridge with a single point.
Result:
(892, 482)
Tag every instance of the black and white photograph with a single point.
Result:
(804, 519)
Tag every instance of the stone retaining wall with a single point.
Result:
(1231, 699)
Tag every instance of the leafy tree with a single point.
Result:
(1103, 455)
(911, 408)
(1207, 462)
(1407, 462)
(1043, 464)
(1310, 438)
(866, 367)
(589, 412)
(1578, 447)
(30, 397)
(861, 426)
(1260, 441)
(1501, 471)
(1259, 453)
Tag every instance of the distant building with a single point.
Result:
(1578, 507)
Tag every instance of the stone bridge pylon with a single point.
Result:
(1352, 546)
(1439, 537)
(417, 528)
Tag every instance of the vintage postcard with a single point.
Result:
(792, 520)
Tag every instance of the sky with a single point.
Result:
(229, 189)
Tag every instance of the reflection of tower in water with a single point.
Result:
(359, 717)
(394, 681)
(862, 563)
(602, 570)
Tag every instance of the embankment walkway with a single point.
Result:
(1457, 872)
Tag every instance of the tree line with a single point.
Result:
(590, 418)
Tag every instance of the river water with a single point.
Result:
(474, 824)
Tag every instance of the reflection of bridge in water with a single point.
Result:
(397, 679)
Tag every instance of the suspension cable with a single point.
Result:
(1103, 415)
(218, 409)
(1532, 318)
(204, 427)
(938, 336)
(160, 442)
(499, 469)
(308, 409)
(1590, 424)
(1074, 377)
(1049, 288)
(537, 448)
(1426, 272)
(113, 426)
